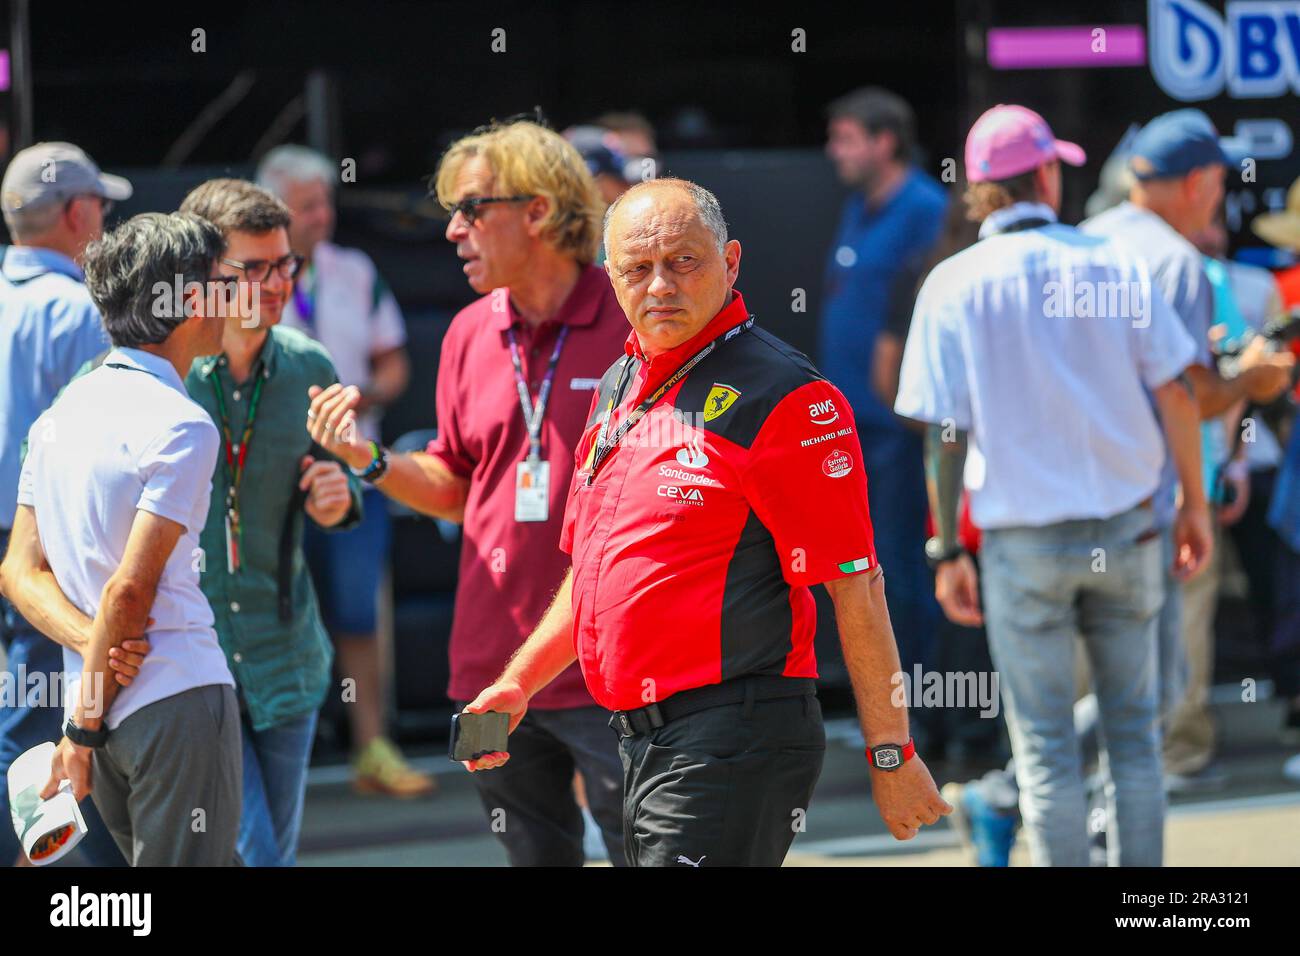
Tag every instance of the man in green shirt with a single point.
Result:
(267, 473)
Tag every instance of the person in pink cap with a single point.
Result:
(1008, 141)
(1037, 348)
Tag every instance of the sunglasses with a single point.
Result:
(105, 204)
(469, 208)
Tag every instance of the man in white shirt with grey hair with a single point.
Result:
(1038, 347)
(111, 500)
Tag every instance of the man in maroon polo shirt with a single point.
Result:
(526, 220)
(718, 479)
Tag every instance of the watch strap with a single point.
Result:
(936, 554)
(85, 738)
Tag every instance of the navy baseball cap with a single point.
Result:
(1173, 144)
(600, 157)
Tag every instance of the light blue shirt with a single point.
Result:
(1178, 270)
(125, 438)
(48, 328)
(1039, 343)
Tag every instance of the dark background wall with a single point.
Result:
(123, 79)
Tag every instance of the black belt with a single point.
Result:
(758, 687)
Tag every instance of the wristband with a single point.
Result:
(374, 457)
(378, 466)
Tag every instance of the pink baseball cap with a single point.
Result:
(1009, 140)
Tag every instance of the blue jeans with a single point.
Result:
(1101, 580)
(1172, 654)
(23, 727)
(346, 567)
(896, 486)
(275, 784)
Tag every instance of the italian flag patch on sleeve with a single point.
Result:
(852, 567)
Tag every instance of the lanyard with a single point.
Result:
(1020, 225)
(236, 456)
(603, 448)
(304, 302)
(129, 368)
(533, 413)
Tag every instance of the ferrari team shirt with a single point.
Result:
(696, 541)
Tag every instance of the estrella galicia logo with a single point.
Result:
(1194, 53)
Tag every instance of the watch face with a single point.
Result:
(887, 758)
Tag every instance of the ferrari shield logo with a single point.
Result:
(721, 397)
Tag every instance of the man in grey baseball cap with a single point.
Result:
(56, 187)
(54, 200)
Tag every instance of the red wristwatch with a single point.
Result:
(891, 756)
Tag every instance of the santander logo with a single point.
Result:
(692, 456)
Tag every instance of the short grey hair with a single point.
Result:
(706, 205)
(294, 164)
(127, 269)
(33, 222)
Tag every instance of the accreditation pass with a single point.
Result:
(532, 490)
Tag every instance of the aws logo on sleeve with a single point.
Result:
(823, 413)
(720, 398)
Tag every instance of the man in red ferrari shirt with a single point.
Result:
(515, 379)
(718, 479)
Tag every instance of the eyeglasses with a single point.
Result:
(259, 270)
(469, 208)
(105, 204)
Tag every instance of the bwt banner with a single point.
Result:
(1251, 50)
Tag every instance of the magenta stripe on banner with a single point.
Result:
(4, 71)
(1023, 48)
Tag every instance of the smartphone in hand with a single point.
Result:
(473, 735)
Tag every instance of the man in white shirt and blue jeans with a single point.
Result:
(111, 500)
(1037, 347)
(1179, 168)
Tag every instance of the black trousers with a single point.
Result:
(727, 786)
(529, 801)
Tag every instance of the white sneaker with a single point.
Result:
(1291, 769)
(593, 844)
(1208, 779)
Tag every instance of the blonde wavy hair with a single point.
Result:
(988, 197)
(529, 159)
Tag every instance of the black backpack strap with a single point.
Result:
(284, 560)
